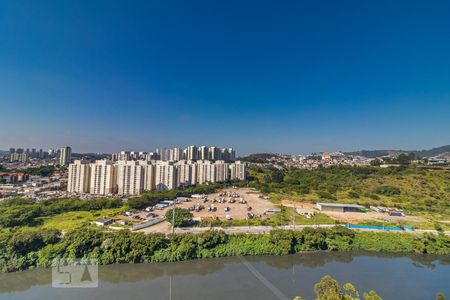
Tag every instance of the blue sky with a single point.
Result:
(279, 76)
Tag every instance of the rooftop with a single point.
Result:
(341, 205)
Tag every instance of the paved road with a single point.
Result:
(267, 229)
(248, 229)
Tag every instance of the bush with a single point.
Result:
(387, 190)
(325, 195)
(21, 249)
(353, 195)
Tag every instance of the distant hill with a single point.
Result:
(418, 153)
(432, 152)
(258, 157)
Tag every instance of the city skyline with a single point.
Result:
(45, 150)
(292, 78)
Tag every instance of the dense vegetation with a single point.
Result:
(40, 171)
(23, 212)
(418, 191)
(21, 249)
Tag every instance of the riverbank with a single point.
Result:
(28, 249)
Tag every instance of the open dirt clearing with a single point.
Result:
(353, 217)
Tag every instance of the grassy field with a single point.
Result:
(76, 219)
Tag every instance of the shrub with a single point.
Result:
(387, 190)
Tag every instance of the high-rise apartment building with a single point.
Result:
(65, 156)
(203, 171)
(192, 152)
(79, 177)
(184, 173)
(177, 154)
(149, 174)
(103, 178)
(221, 171)
(130, 177)
(165, 176)
(238, 171)
(228, 154)
(231, 154)
(18, 155)
(129, 155)
(203, 153)
(214, 153)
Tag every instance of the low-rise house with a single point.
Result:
(103, 221)
(338, 207)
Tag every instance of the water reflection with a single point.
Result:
(114, 274)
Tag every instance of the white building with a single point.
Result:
(203, 171)
(65, 156)
(184, 173)
(221, 171)
(203, 153)
(103, 178)
(165, 176)
(79, 177)
(214, 153)
(177, 154)
(130, 178)
(238, 170)
(191, 153)
(149, 174)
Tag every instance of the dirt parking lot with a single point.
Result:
(237, 210)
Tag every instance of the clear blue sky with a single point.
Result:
(282, 76)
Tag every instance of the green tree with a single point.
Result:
(405, 159)
(441, 296)
(353, 195)
(277, 176)
(351, 290)
(182, 216)
(328, 289)
(372, 295)
(376, 162)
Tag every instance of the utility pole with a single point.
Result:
(293, 216)
(173, 216)
(295, 210)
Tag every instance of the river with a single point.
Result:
(260, 277)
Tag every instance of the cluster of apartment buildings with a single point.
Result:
(192, 153)
(132, 177)
(24, 155)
